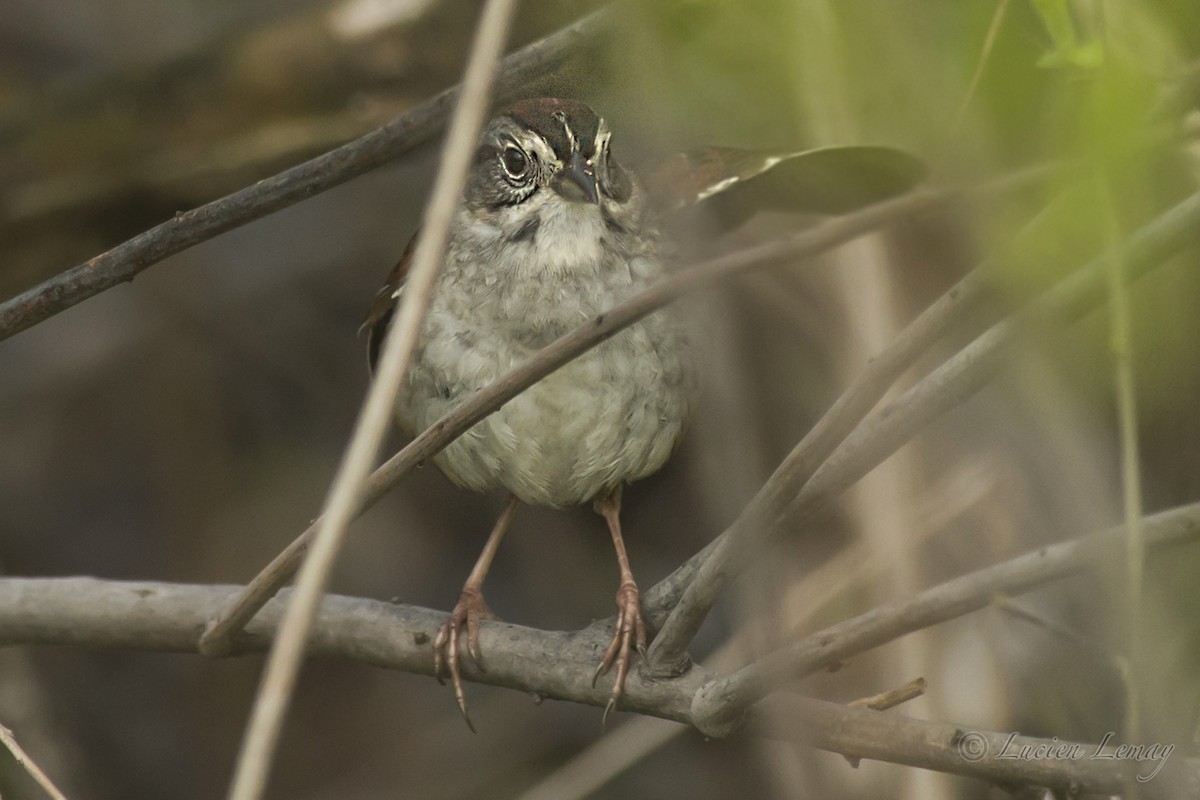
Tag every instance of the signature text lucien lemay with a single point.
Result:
(974, 746)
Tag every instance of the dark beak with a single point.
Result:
(577, 181)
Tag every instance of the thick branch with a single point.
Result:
(719, 705)
(189, 228)
(167, 617)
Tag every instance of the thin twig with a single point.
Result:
(829, 234)
(989, 42)
(1057, 629)
(609, 755)
(380, 146)
(883, 432)
(1121, 341)
(892, 697)
(885, 700)
(10, 742)
(283, 664)
(719, 705)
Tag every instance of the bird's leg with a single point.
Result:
(467, 612)
(630, 630)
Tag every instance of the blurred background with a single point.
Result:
(185, 427)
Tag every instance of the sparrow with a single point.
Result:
(553, 231)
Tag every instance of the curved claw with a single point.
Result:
(628, 633)
(446, 645)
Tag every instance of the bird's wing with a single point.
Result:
(384, 305)
(735, 184)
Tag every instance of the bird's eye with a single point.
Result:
(515, 163)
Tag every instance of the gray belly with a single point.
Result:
(611, 416)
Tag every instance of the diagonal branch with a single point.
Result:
(1007, 759)
(884, 432)
(9, 740)
(668, 652)
(958, 309)
(188, 228)
(719, 705)
(287, 652)
(815, 240)
(1125, 389)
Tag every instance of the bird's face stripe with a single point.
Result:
(570, 134)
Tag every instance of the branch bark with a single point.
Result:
(168, 617)
(719, 705)
(1074, 768)
(188, 228)
(559, 665)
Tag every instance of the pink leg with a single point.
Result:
(467, 612)
(630, 630)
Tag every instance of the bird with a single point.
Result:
(552, 231)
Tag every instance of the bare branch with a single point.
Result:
(893, 697)
(188, 228)
(559, 665)
(883, 432)
(283, 665)
(885, 700)
(10, 743)
(1121, 341)
(719, 705)
(165, 617)
(1074, 767)
(431, 441)
(989, 41)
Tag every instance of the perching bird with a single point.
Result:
(553, 231)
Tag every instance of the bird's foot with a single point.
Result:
(466, 614)
(629, 632)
